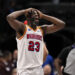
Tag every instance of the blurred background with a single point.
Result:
(62, 9)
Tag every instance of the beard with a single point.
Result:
(35, 22)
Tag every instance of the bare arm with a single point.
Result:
(45, 52)
(57, 66)
(57, 23)
(14, 23)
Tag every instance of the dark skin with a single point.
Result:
(20, 27)
(33, 21)
(57, 63)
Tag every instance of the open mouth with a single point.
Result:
(36, 20)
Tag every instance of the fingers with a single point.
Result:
(40, 13)
(32, 9)
(28, 10)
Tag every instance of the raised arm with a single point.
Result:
(57, 23)
(14, 23)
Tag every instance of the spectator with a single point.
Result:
(12, 6)
(48, 66)
(15, 54)
(65, 62)
(14, 71)
(1, 55)
(5, 66)
(14, 62)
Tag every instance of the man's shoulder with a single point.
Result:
(68, 48)
(65, 51)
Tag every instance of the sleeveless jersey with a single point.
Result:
(30, 49)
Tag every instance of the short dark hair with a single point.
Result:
(29, 14)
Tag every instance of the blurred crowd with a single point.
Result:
(8, 62)
(63, 64)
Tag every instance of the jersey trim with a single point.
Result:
(32, 28)
(41, 30)
(23, 33)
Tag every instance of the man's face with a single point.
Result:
(15, 54)
(35, 18)
(9, 57)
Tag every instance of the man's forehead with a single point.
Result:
(35, 12)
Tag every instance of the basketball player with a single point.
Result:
(45, 48)
(30, 39)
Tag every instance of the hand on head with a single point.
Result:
(40, 13)
(29, 10)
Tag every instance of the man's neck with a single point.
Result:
(32, 26)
